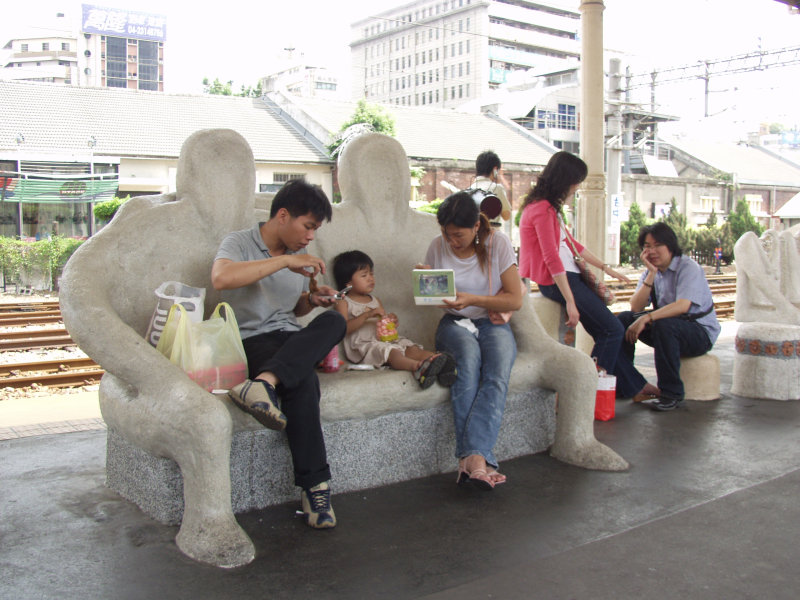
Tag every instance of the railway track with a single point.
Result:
(71, 372)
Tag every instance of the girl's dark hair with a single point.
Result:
(346, 264)
(663, 234)
(460, 210)
(562, 171)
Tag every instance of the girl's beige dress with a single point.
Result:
(363, 345)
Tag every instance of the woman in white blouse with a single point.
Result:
(487, 283)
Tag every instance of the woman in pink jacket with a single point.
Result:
(546, 257)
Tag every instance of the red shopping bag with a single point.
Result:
(606, 396)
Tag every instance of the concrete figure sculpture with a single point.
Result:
(374, 181)
(164, 429)
(767, 360)
(107, 301)
(768, 277)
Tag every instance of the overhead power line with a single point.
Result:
(704, 69)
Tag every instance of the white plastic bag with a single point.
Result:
(210, 352)
(174, 292)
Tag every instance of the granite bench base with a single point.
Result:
(363, 453)
(766, 364)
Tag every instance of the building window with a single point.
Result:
(573, 147)
(467, 46)
(711, 203)
(45, 46)
(65, 46)
(566, 117)
(24, 47)
(460, 48)
(284, 177)
(754, 203)
(460, 91)
(116, 62)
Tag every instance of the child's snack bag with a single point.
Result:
(386, 329)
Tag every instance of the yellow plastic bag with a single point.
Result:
(210, 352)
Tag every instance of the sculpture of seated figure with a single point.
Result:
(767, 360)
(373, 170)
(768, 277)
(107, 301)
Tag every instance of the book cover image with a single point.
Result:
(432, 286)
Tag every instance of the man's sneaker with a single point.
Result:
(259, 399)
(317, 507)
(664, 404)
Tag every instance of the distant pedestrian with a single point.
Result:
(490, 178)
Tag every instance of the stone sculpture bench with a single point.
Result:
(186, 456)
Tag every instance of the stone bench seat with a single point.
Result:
(370, 419)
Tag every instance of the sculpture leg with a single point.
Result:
(195, 430)
(209, 531)
(572, 374)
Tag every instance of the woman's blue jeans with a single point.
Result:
(599, 322)
(479, 393)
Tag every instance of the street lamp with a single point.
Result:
(92, 142)
(20, 139)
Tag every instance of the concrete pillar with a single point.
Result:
(592, 210)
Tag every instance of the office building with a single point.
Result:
(109, 47)
(447, 52)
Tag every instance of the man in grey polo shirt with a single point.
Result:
(264, 274)
(682, 322)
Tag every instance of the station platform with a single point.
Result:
(708, 509)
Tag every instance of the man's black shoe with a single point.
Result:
(664, 404)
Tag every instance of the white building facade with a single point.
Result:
(447, 52)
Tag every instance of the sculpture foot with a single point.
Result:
(220, 542)
(591, 455)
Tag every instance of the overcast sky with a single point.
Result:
(242, 40)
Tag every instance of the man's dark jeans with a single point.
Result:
(670, 339)
(293, 356)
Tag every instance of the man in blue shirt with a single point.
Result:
(682, 322)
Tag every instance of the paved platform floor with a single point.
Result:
(708, 510)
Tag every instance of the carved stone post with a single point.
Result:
(592, 211)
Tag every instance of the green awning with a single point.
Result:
(58, 191)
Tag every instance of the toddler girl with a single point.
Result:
(363, 311)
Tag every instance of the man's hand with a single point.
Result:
(648, 265)
(325, 296)
(301, 263)
(635, 329)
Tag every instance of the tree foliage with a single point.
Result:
(679, 224)
(217, 88)
(47, 256)
(106, 210)
(703, 240)
(741, 221)
(629, 234)
(372, 116)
